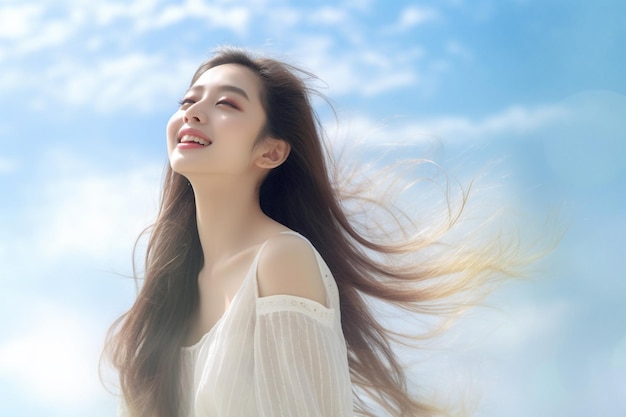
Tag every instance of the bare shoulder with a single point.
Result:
(288, 265)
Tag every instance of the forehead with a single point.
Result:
(230, 74)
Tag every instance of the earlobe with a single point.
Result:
(275, 152)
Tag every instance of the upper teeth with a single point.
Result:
(189, 138)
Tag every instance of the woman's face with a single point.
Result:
(215, 129)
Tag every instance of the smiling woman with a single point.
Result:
(254, 300)
(219, 120)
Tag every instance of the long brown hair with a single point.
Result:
(144, 343)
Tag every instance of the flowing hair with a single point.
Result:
(418, 272)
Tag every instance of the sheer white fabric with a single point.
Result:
(274, 356)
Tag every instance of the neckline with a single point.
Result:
(199, 343)
(230, 306)
(252, 269)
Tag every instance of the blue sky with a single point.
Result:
(527, 95)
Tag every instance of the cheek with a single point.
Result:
(171, 131)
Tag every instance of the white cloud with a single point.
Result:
(413, 16)
(384, 84)
(144, 82)
(26, 29)
(514, 120)
(127, 80)
(30, 29)
(96, 215)
(566, 129)
(53, 357)
(107, 12)
(19, 21)
(213, 16)
(137, 81)
(328, 16)
(166, 17)
(364, 71)
(49, 34)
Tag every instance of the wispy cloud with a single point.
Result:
(26, 29)
(329, 16)
(364, 71)
(138, 81)
(97, 69)
(85, 46)
(210, 15)
(512, 121)
(413, 16)
(515, 120)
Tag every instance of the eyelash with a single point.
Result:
(185, 101)
(226, 102)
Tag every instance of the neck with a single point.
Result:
(226, 216)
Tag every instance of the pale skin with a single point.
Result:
(224, 110)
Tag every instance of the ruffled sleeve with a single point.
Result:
(300, 359)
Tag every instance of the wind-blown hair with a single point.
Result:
(144, 343)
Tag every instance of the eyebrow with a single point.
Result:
(227, 87)
(233, 89)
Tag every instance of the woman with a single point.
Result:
(253, 298)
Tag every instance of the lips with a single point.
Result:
(193, 136)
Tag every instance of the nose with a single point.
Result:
(194, 113)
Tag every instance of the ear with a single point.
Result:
(273, 152)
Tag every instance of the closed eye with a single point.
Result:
(185, 101)
(228, 103)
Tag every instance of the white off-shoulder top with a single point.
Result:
(275, 356)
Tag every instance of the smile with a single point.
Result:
(194, 139)
(191, 138)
